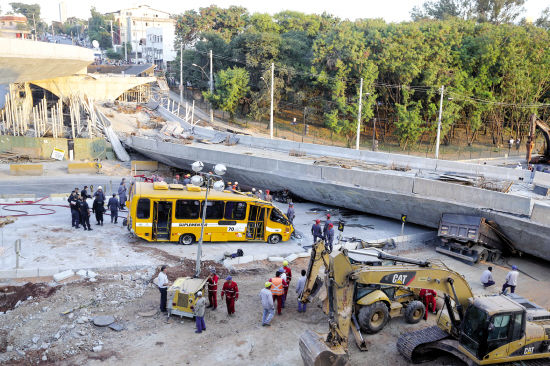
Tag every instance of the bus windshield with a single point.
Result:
(277, 216)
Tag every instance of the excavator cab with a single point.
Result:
(493, 327)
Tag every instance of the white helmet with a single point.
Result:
(199, 293)
(99, 187)
(253, 189)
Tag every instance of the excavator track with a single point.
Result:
(408, 343)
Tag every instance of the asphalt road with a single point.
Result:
(43, 186)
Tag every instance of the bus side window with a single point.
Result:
(143, 208)
(214, 210)
(187, 209)
(235, 210)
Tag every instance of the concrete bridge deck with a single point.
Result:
(25, 60)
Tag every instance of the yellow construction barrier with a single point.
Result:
(26, 169)
(75, 168)
(138, 165)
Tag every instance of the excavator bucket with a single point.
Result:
(315, 352)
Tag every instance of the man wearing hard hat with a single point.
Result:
(199, 310)
(267, 304)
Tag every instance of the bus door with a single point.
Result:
(256, 223)
(162, 220)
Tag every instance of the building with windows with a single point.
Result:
(133, 25)
(14, 26)
(159, 47)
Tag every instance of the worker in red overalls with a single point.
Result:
(231, 292)
(213, 289)
(288, 272)
(429, 299)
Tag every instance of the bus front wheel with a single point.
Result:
(274, 239)
(187, 239)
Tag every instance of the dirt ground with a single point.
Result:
(37, 331)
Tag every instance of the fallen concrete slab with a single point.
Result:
(63, 275)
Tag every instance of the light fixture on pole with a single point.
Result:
(198, 180)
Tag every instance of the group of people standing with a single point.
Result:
(275, 290)
(325, 233)
(80, 209)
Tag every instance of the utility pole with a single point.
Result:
(126, 51)
(439, 123)
(359, 115)
(137, 44)
(272, 89)
(211, 87)
(181, 73)
(304, 131)
(112, 36)
(34, 22)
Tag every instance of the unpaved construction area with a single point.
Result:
(38, 332)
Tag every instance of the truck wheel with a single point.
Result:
(186, 239)
(373, 317)
(414, 312)
(274, 239)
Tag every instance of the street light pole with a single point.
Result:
(220, 170)
(359, 116)
(439, 123)
(199, 248)
(181, 73)
(271, 112)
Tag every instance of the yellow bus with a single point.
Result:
(173, 213)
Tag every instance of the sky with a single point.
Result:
(389, 10)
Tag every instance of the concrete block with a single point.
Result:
(275, 259)
(245, 259)
(303, 255)
(26, 169)
(77, 168)
(43, 272)
(541, 180)
(63, 275)
(541, 214)
(8, 273)
(82, 273)
(144, 165)
(291, 258)
(91, 274)
(260, 257)
(27, 272)
(229, 263)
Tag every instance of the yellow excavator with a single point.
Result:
(479, 330)
(374, 305)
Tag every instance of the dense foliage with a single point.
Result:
(492, 69)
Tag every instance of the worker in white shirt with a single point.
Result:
(487, 277)
(511, 280)
(163, 283)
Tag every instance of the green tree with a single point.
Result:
(231, 88)
(409, 125)
(99, 28)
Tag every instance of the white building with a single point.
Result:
(159, 46)
(134, 24)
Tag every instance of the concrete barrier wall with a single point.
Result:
(26, 169)
(144, 165)
(541, 214)
(473, 197)
(42, 147)
(77, 168)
